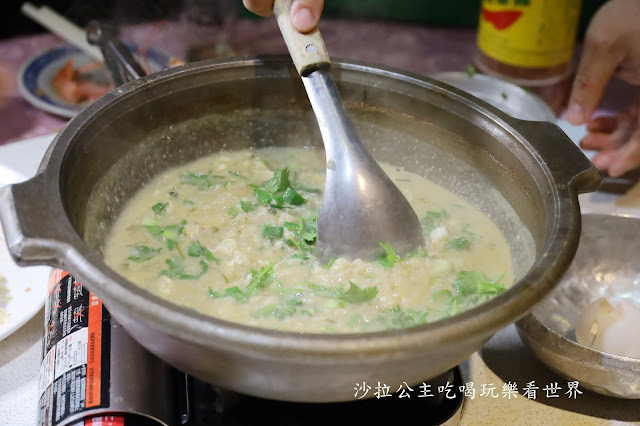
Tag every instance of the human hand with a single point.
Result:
(612, 47)
(305, 14)
(617, 139)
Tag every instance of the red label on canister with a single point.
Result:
(105, 421)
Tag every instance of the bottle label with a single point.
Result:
(75, 370)
(529, 33)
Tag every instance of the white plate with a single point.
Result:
(27, 286)
(35, 76)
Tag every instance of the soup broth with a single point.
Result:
(233, 236)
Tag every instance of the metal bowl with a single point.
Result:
(606, 265)
(523, 175)
(502, 94)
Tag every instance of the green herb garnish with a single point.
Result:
(197, 250)
(158, 208)
(260, 279)
(432, 220)
(233, 211)
(469, 283)
(389, 257)
(277, 191)
(142, 253)
(292, 197)
(419, 252)
(459, 244)
(203, 182)
(247, 206)
(176, 270)
(353, 294)
(234, 292)
(169, 234)
(272, 232)
(356, 294)
(286, 308)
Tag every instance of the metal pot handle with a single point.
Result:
(28, 215)
(566, 162)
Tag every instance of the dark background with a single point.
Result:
(453, 13)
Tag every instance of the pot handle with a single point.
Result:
(33, 232)
(567, 163)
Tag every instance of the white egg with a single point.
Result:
(612, 329)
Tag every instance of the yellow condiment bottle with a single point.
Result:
(529, 42)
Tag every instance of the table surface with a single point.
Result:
(413, 48)
(423, 50)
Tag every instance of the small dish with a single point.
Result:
(503, 95)
(36, 75)
(606, 265)
(27, 287)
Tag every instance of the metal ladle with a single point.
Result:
(362, 207)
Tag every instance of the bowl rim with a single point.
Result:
(535, 330)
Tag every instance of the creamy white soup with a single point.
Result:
(233, 236)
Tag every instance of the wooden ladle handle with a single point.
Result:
(307, 50)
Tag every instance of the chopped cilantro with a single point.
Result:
(197, 250)
(234, 292)
(304, 235)
(304, 230)
(277, 191)
(169, 234)
(432, 220)
(471, 288)
(247, 206)
(272, 232)
(286, 308)
(389, 257)
(292, 197)
(356, 294)
(419, 252)
(203, 182)
(474, 282)
(278, 183)
(142, 253)
(260, 279)
(159, 208)
(264, 197)
(353, 294)
(233, 211)
(459, 244)
(176, 270)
